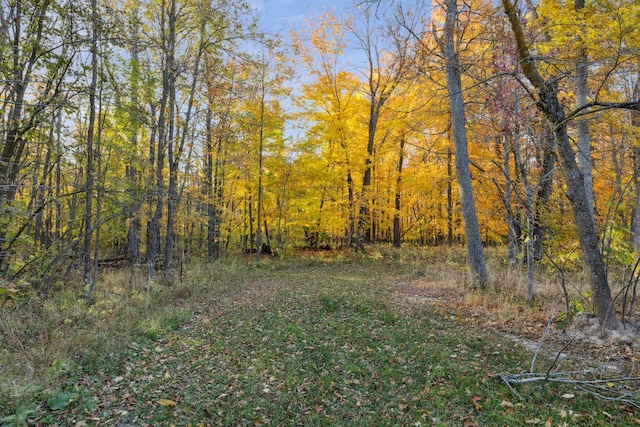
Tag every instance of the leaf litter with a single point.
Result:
(323, 345)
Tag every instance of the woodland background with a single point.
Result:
(150, 151)
(154, 133)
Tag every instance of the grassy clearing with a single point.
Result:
(300, 342)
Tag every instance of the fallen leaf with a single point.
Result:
(167, 402)
(506, 404)
(469, 423)
(476, 402)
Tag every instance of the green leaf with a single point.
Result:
(19, 418)
(59, 402)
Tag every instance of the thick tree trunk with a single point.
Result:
(551, 107)
(458, 125)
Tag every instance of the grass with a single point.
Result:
(298, 342)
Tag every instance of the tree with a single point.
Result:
(386, 68)
(549, 103)
(458, 125)
(31, 58)
(334, 108)
(93, 89)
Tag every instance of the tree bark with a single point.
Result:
(458, 125)
(584, 140)
(449, 197)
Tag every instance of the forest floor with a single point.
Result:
(342, 342)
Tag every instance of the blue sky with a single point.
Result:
(284, 15)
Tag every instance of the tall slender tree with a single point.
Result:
(458, 125)
(89, 182)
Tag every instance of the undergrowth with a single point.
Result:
(310, 341)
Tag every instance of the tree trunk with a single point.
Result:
(260, 161)
(635, 225)
(397, 232)
(449, 197)
(90, 136)
(281, 208)
(133, 216)
(551, 107)
(172, 149)
(156, 160)
(582, 90)
(635, 121)
(529, 208)
(543, 194)
(208, 191)
(513, 236)
(364, 220)
(458, 125)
